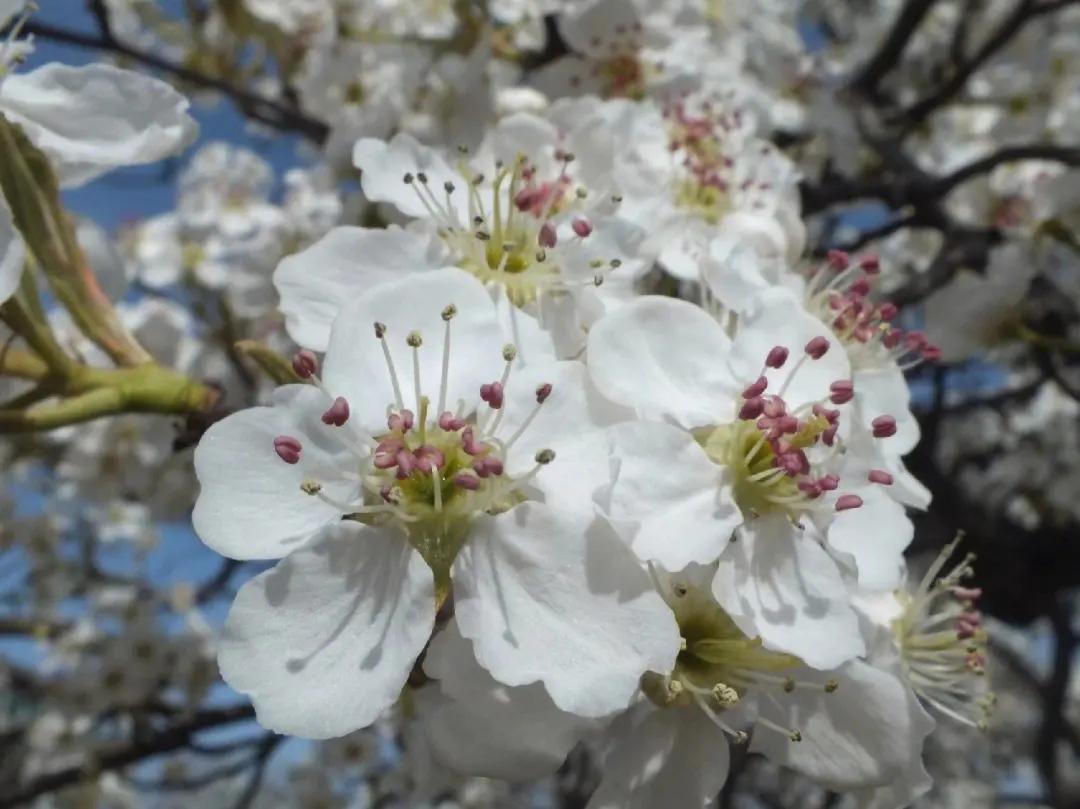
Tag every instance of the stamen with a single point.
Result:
(846, 502)
(288, 449)
(793, 735)
(337, 414)
(305, 364)
(542, 394)
(817, 347)
(883, 426)
(414, 341)
(776, 357)
(436, 482)
(447, 315)
(380, 333)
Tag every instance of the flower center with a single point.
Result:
(518, 227)
(432, 471)
(715, 176)
(617, 64)
(942, 643)
(779, 457)
(719, 663)
(838, 293)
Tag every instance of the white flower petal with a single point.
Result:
(384, 165)
(780, 319)
(665, 358)
(324, 642)
(557, 598)
(477, 730)
(356, 368)
(250, 505)
(96, 117)
(783, 586)
(317, 282)
(875, 535)
(861, 735)
(885, 392)
(568, 413)
(680, 502)
(674, 757)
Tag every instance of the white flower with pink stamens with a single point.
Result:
(671, 747)
(423, 436)
(626, 49)
(692, 165)
(840, 292)
(533, 215)
(752, 468)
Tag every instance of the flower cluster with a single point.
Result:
(562, 393)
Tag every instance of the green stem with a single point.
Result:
(92, 393)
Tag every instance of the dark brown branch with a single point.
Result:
(892, 48)
(1069, 155)
(155, 744)
(1023, 12)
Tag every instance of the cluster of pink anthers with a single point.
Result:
(789, 433)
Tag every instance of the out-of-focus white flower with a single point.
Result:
(93, 118)
(974, 313)
(687, 168)
(533, 216)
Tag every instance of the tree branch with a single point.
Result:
(892, 48)
(1023, 12)
(273, 113)
(164, 741)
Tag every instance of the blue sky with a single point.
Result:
(139, 192)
